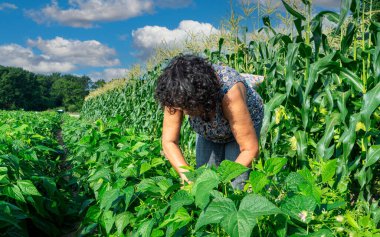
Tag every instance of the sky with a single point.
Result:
(103, 38)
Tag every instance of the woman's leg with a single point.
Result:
(232, 151)
(208, 152)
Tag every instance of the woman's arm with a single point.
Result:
(236, 112)
(170, 141)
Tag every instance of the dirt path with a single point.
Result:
(64, 166)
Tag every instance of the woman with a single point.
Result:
(223, 109)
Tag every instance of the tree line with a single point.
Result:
(21, 89)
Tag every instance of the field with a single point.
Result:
(317, 174)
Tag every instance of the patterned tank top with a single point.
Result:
(218, 129)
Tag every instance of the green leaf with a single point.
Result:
(145, 167)
(301, 138)
(331, 16)
(258, 205)
(273, 103)
(148, 185)
(371, 101)
(341, 98)
(218, 209)
(88, 229)
(14, 192)
(180, 199)
(108, 198)
(180, 219)
(303, 182)
(281, 225)
(128, 194)
(352, 79)
(376, 60)
(100, 173)
(7, 217)
(229, 170)
(292, 11)
(4, 180)
(291, 58)
(206, 182)
(239, 224)
(322, 232)
(348, 137)
(43, 148)
(258, 180)
(323, 144)
(361, 177)
(347, 39)
(373, 155)
(344, 9)
(274, 165)
(157, 233)
(317, 68)
(328, 170)
(157, 161)
(299, 207)
(107, 220)
(27, 188)
(92, 214)
(122, 220)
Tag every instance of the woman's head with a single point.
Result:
(189, 83)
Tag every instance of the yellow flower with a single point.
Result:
(277, 116)
(293, 143)
(280, 113)
(323, 110)
(361, 126)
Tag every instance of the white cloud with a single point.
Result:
(17, 56)
(57, 55)
(88, 53)
(109, 74)
(84, 13)
(149, 37)
(7, 5)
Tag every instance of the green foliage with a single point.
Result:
(20, 89)
(316, 174)
(35, 192)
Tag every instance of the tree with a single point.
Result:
(97, 84)
(20, 89)
(69, 91)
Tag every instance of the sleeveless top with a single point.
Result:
(218, 128)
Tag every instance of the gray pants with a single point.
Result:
(212, 154)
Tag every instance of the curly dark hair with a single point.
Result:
(189, 82)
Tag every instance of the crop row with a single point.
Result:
(134, 191)
(36, 198)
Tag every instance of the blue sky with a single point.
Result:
(102, 38)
